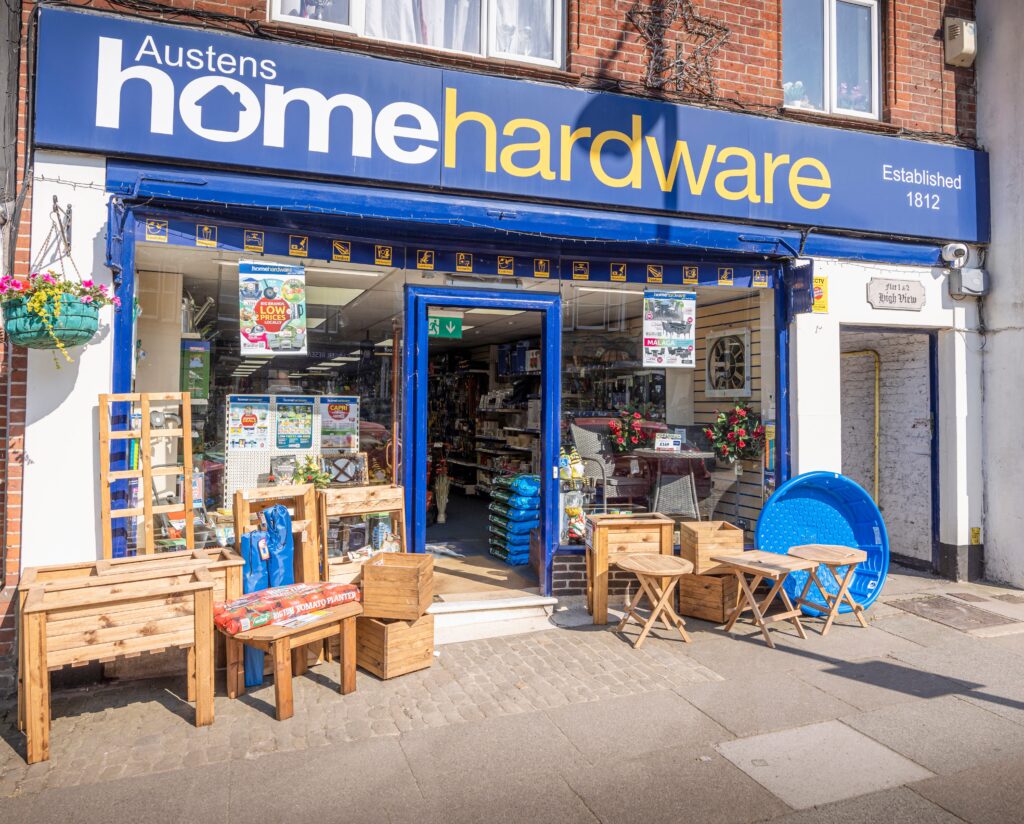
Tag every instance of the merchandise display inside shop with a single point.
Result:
(295, 374)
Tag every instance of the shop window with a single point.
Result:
(524, 30)
(830, 56)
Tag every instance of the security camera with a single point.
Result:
(955, 254)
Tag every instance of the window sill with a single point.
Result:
(418, 54)
(842, 120)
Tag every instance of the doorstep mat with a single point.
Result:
(951, 613)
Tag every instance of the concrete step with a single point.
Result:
(473, 619)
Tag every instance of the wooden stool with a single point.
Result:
(830, 557)
(658, 576)
(287, 647)
(760, 565)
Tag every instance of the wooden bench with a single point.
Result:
(285, 643)
(103, 617)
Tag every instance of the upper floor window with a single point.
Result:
(525, 30)
(830, 56)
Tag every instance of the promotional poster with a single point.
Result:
(339, 422)
(670, 320)
(295, 422)
(272, 308)
(248, 422)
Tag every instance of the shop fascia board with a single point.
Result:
(385, 213)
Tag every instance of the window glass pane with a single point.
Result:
(442, 24)
(329, 11)
(854, 65)
(524, 28)
(803, 49)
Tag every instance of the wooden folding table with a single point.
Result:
(760, 565)
(658, 576)
(832, 558)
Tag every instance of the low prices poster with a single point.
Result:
(670, 322)
(248, 422)
(295, 422)
(339, 422)
(272, 308)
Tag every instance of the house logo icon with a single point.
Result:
(221, 109)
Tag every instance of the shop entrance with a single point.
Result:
(482, 434)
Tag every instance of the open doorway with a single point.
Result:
(484, 392)
(889, 434)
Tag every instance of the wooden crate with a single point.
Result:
(99, 618)
(699, 540)
(391, 648)
(398, 585)
(708, 597)
(607, 535)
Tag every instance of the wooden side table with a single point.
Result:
(286, 645)
(760, 565)
(658, 576)
(832, 558)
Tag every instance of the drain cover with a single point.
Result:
(968, 596)
(952, 613)
(1010, 599)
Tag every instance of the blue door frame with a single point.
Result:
(414, 427)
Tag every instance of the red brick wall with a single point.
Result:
(922, 95)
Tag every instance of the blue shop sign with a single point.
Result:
(124, 86)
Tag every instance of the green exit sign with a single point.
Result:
(444, 327)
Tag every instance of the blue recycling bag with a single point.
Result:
(268, 554)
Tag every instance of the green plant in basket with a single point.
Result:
(310, 472)
(50, 312)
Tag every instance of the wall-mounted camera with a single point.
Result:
(955, 254)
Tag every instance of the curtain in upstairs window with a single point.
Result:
(441, 24)
(524, 28)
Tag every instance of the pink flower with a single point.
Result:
(49, 278)
(116, 301)
(86, 298)
(102, 288)
(88, 284)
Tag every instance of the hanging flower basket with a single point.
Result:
(73, 324)
(50, 312)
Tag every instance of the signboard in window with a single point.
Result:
(669, 330)
(295, 422)
(248, 422)
(339, 422)
(271, 308)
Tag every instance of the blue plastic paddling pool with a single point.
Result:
(827, 508)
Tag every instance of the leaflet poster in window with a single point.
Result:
(339, 422)
(295, 422)
(272, 308)
(248, 422)
(670, 322)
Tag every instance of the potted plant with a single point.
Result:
(627, 432)
(50, 312)
(736, 435)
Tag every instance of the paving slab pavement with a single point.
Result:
(570, 725)
(820, 763)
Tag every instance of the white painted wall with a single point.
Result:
(815, 386)
(1000, 125)
(904, 432)
(61, 486)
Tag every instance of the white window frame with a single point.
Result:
(488, 34)
(830, 92)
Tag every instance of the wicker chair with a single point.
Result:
(677, 497)
(599, 467)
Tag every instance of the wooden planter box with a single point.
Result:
(708, 597)
(699, 540)
(392, 648)
(608, 535)
(398, 585)
(102, 617)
